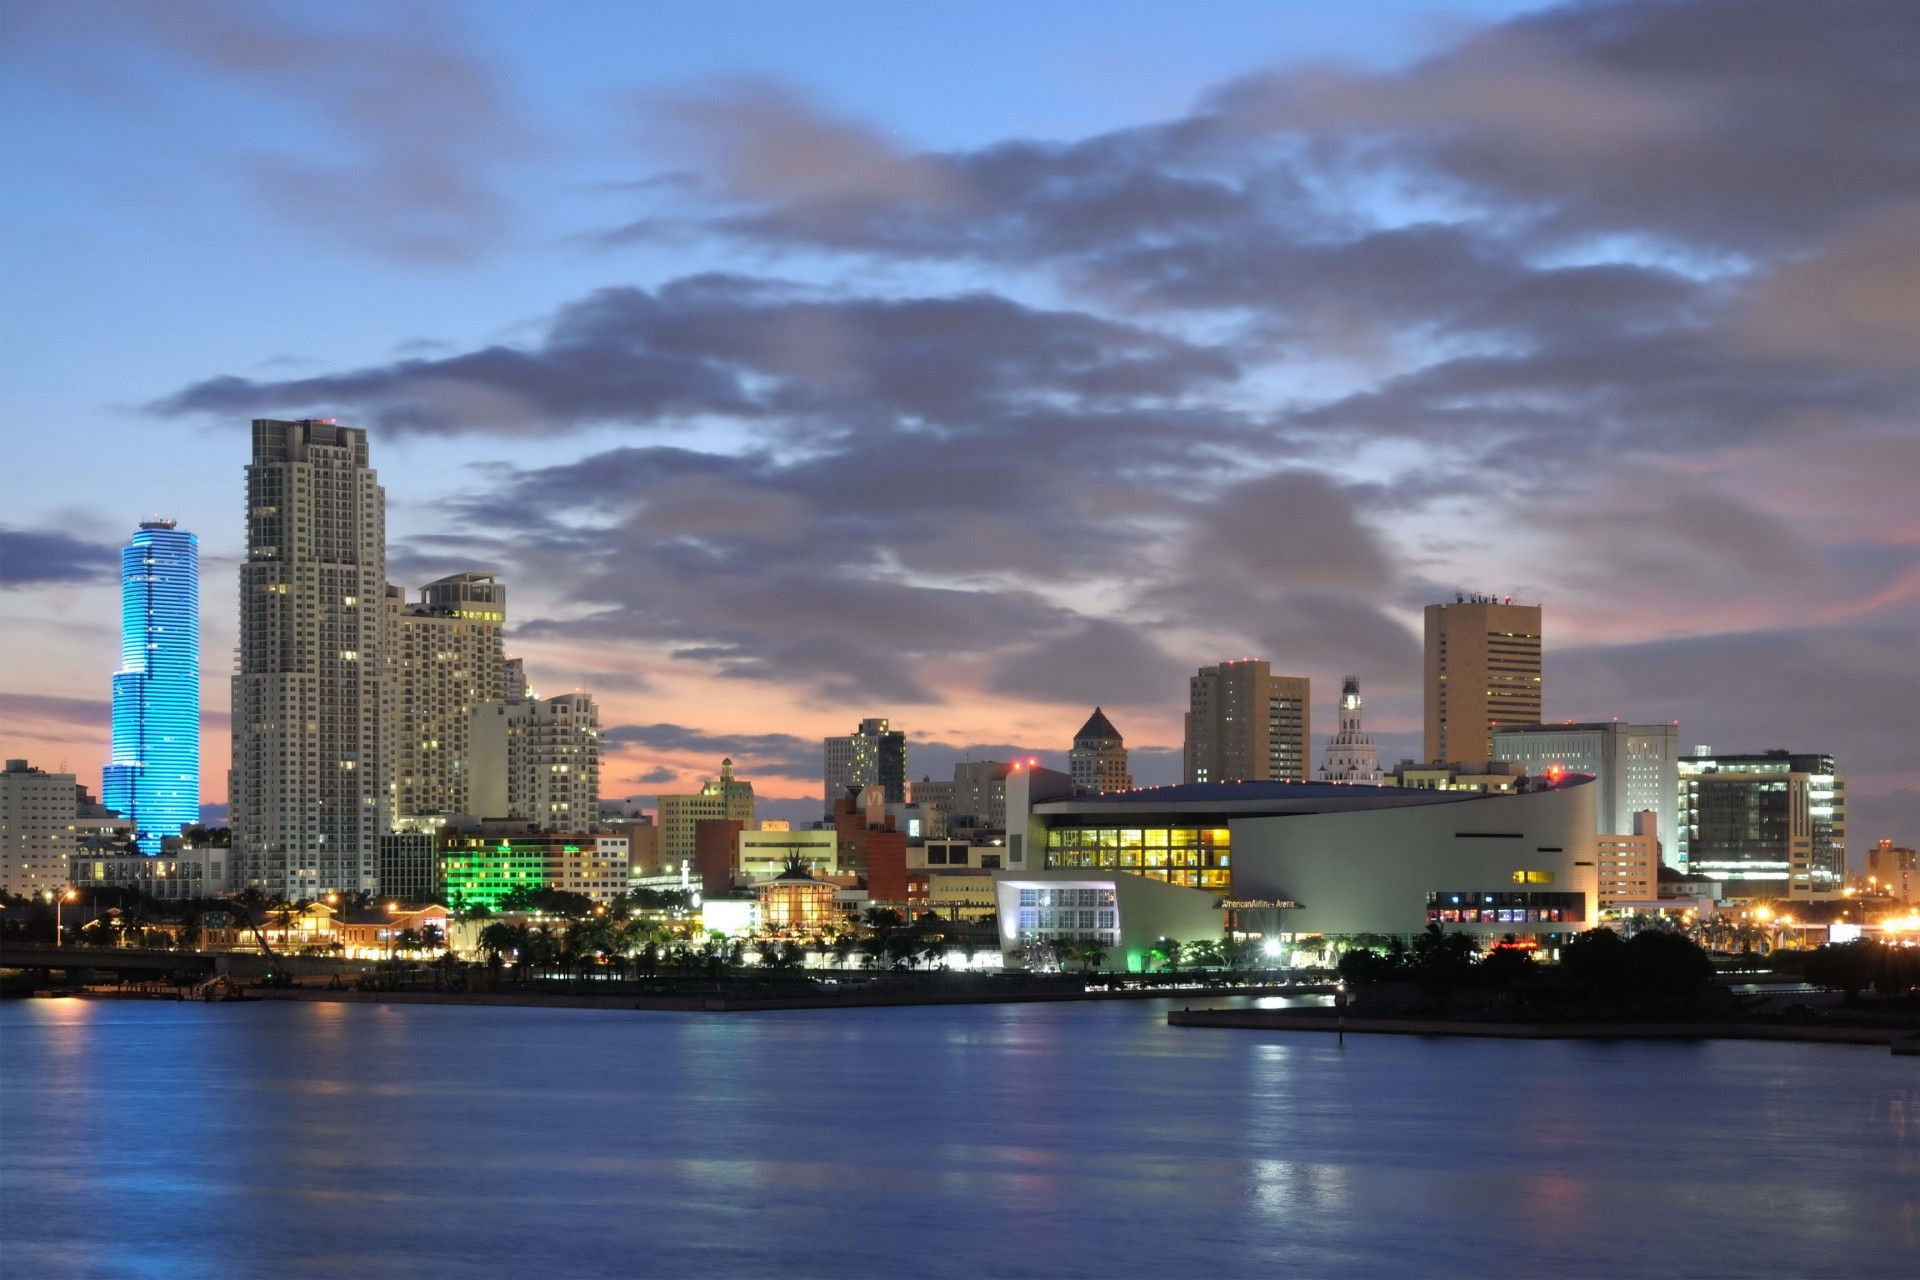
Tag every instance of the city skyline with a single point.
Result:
(807, 406)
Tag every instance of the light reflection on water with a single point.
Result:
(1088, 1139)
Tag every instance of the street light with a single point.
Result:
(58, 900)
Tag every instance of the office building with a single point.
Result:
(1767, 825)
(1245, 724)
(726, 798)
(979, 796)
(1098, 760)
(309, 782)
(1893, 871)
(153, 779)
(1628, 863)
(1351, 755)
(37, 818)
(444, 662)
(1482, 674)
(870, 845)
(764, 853)
(872, 755)
(1635, 766)
(410, 864)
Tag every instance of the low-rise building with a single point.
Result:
(1629, 865)
(175, 875)
(483, 869)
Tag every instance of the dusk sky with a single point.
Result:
(973, 364)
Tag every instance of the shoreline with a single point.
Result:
(704, 1003)
(1902, 1040)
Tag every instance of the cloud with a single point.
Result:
(79, 713)
(776, 754)
(398, 128)
(754, 350)
(31, 558)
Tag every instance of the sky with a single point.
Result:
(973, 365)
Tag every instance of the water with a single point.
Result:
(1058, 1140)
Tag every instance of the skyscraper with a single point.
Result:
(443, 659)
(1351, 755)
(553, 762)
(1098, 761)
(872, 755)
(1482, 674)
(309, 781)
(1245, 724)
(1767, 825)
(153, 779)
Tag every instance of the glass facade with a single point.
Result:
(1198, 857)
(154, 776)
(1089, 913)
(1509, 907)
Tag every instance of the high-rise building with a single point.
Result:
(37, 819)
(154, 776)
(1351, 755)
(979, 797)
(444, 661)
(871, 756)
(1483, 673)
(309, 785)
(1635, 768)
(553, 762)
(1245, 724)
(1098, 761)
(514, 675)
(1767, 825)
(728, 799)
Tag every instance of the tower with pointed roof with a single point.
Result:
(1351, 755)
(1098, 760)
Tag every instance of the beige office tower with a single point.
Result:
(310, 780)
(728, 799)
(1245, 724)
(1483, 673)
(444, 660)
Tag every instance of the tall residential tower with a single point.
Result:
(444, 661)
(310, 775)
(153, 779)
(1482, 674)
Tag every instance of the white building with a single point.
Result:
(309, 784)
(186, 872)
(1351, 755)
(37, 817)
(764, 854)
(1636, 767)
(547, 751)
(444, 660)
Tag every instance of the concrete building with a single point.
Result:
(872, 755)
(177, 874)
(716, 855)
(1290, 860)
(153, 779)
(936, 803)
(1767, 825)
(764, 854)
(1635, 766)
(483, 869)
(1485, 779)
(1629, 863)
(727, 798)
(1894, 871)
(1123, 915)
(444, 664)
(37, 817)
(979, 795)
(410, 865)
(1482, 674)
(513, 680)
(1098, 759)
(870, 846)
(309, 782)
(553, 761)
(1245, 724)
(1351, 756)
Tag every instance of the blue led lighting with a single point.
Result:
(154, 778)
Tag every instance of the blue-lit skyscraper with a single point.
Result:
(154, 778)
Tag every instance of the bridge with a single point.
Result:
(128, 962)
